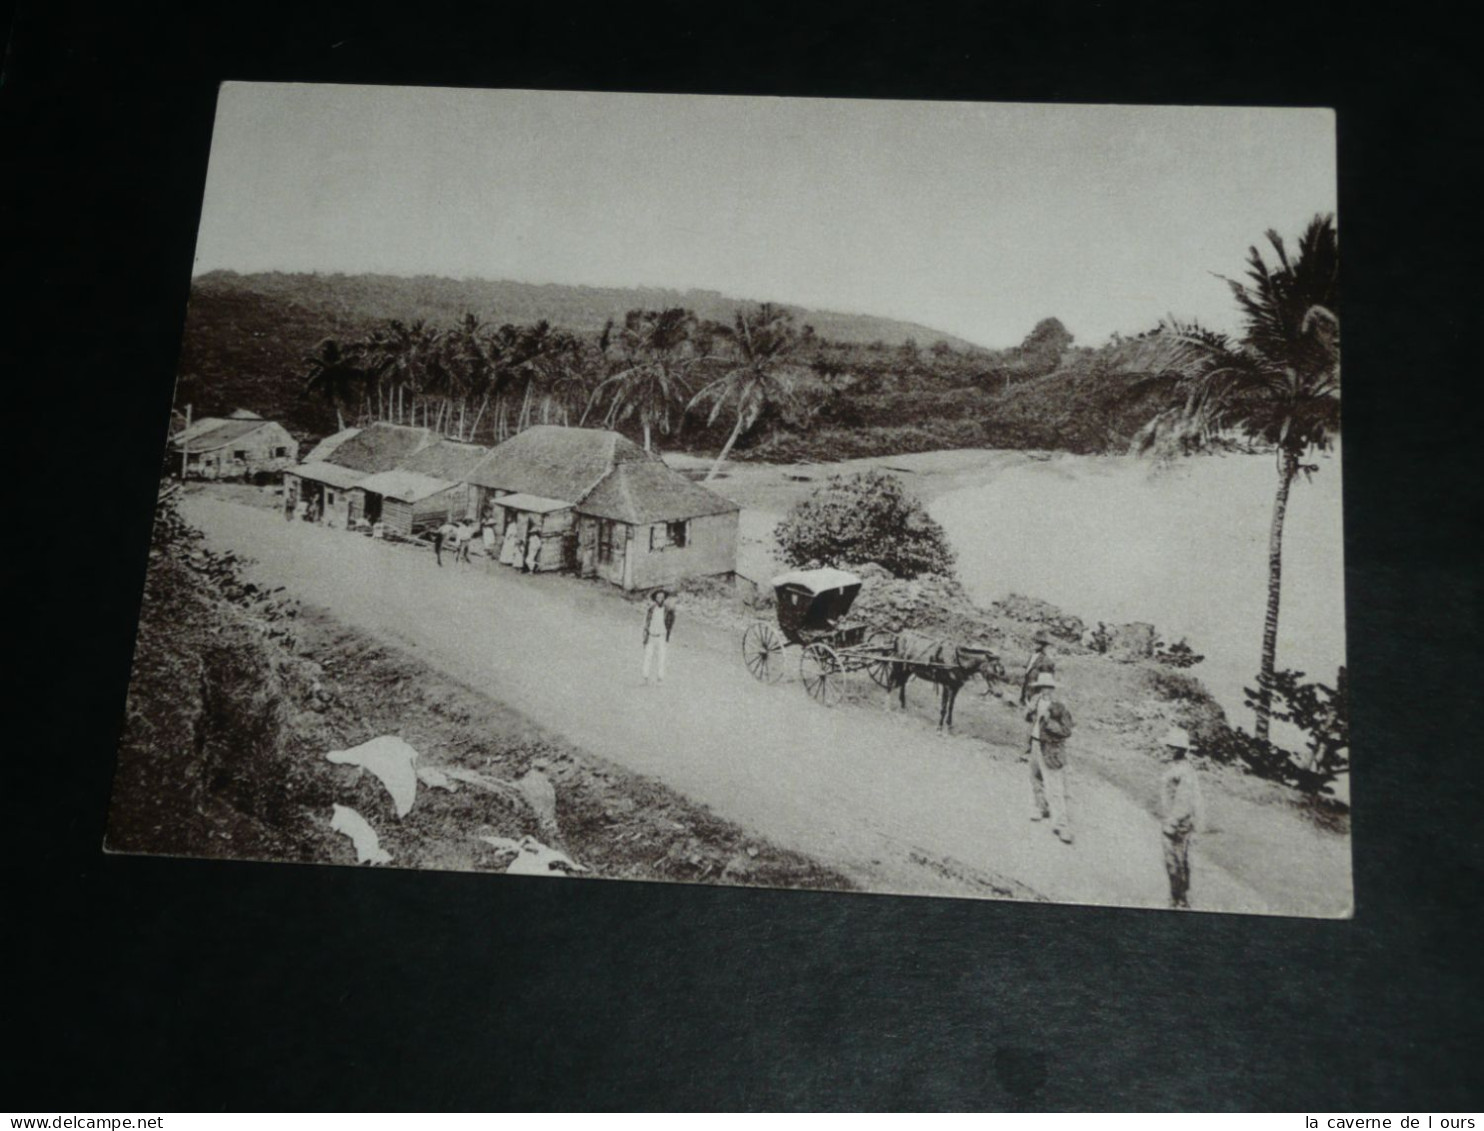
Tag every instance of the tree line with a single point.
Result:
(474, 380)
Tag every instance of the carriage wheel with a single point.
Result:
(762, 652)
(882, 644)
(825, 678)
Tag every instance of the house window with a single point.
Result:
(606, 532)
(280, 453)
(330, 498)
(663, 535)
(240, 454)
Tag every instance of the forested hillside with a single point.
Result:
(312, 350)
(580, 309)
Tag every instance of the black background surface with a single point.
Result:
(178, 985)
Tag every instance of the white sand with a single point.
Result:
(1117, 539)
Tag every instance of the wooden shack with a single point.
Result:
(451, 461)
(404, 501)
(324, 488)
(646, 524)
(349, 457)
(552, 520)
(240, 446)
(619, 513)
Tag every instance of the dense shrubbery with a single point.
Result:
(862, 518)
(1321, 712)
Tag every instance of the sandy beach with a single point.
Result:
(1111, 538)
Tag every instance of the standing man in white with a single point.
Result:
(659, 619)
(1183, 809)
(1051, 725)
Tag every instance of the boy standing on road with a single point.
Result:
(1051, 725)
(1183, 807)
(659, 619)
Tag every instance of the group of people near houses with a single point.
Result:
(306, 510)
(519, 546)
(1181, 802)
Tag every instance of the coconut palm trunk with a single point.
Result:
(1286, 475)
(726, 449)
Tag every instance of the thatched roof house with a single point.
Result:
(322, 451)
(604, 506)
(651, 491)
(557, 462)
(426, 489)
(242, 445)
(328, 473)
(380, 447)
(450, 460)
(325, 482)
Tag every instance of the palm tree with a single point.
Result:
(657, 349)
(762, 340)
(399, 353)
(565, 386)
(1279, 386)
(472, 357)
(335, 373)
(443, 381)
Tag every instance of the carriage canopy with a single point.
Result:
(812, 601)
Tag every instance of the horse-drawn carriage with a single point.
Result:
(813, 607)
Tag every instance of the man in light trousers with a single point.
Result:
(1183, 807)
(659, 619)
(1051, 724)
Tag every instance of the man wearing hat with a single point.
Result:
(659, 619)
(1183, 808)
(1041, 661)
(1051, 725)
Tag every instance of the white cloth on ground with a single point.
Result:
(392, 760)
(362, 835)
(532, 858)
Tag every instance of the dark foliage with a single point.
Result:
(865, 387)
(862, 518)
(204, 728)
(1177, 655)
(1320, 712)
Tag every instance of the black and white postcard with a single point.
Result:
(924, 498)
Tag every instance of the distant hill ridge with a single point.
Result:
(578, 308)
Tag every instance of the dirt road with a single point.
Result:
(876, 795)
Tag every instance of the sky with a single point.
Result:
(977, 219)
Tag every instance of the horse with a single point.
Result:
(949, 666)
